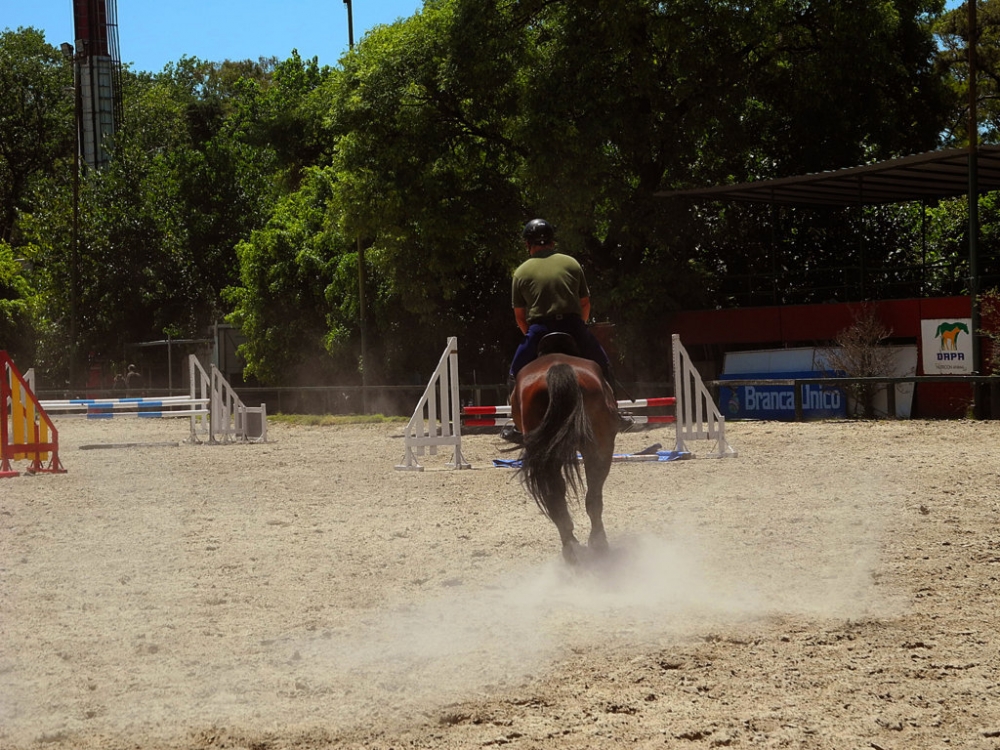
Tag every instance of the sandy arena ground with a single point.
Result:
(835, 586)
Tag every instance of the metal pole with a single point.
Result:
(923, 248)
(74, 252)
(974, 208)
(74, 276)
(350, 24)
(362, 312)
(361, 258)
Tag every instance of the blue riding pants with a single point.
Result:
(590, 347)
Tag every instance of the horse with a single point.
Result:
(562, 404)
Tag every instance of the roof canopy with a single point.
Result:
(931, 175)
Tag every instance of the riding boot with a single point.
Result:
(509, 432)
(625, 421)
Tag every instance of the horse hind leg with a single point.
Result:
(598, 540)
(598, 456)
(558, 511)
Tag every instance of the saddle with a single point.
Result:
(558, 343)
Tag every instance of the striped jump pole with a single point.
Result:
(150, 408)
(213, 407)
(497, 416)
(695, 417)
(438, 418)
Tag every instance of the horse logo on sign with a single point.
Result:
(948, 333)
(946, 351)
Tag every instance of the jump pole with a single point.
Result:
(437, 419)
(214, 409)
(497, 416)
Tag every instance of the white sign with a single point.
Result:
(947, 346)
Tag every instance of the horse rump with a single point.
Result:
(549, 462)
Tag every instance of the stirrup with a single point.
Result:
(625, 421)
(511, 434)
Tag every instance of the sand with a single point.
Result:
(834, 586)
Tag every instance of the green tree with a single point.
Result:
(455, 126)
(281, 304)
(434, 141)
(283, 115)
(952, 31)
(16, 299)
(36, 118)
(426, 176)
(712, 92)
(159, 225)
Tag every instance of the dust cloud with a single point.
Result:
(406, 660)
(191, 587)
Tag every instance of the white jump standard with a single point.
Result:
(215, 412)
(438, 417)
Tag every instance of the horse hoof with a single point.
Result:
(598, 543)
(571, 553)
(598, 551)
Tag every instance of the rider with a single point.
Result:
(549, 294)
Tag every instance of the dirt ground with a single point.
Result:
(835, 586)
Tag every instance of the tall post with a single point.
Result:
(361, 258)
(362, 315)
(350, 24)
(977, 389)
(74, 242)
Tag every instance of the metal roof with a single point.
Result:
(931, 175)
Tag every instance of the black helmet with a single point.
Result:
(539, 232)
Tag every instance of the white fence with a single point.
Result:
(230, 418)
(437, 420)
(214, 410)
(698, 418)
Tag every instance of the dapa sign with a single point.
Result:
(777, 402)
(947, 346)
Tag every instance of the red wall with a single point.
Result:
(810, 325)
(795, 325)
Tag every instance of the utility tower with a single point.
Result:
(97, 68)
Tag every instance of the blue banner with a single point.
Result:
(777, 402)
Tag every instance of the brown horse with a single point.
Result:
(563, 405)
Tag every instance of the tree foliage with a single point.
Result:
(457, 125)
(254, 189)
(36, 118)
(286, 267)
(16, 299)
(159, 225)
(952, 31)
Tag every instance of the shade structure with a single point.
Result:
(927, 176)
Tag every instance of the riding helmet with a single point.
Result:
(539, 232)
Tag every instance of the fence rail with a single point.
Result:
(391, 400)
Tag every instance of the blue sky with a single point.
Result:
(152, 34)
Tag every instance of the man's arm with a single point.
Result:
(521, 316)
(585, 308)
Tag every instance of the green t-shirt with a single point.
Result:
(549, 283)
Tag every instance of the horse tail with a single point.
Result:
(549, 463)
